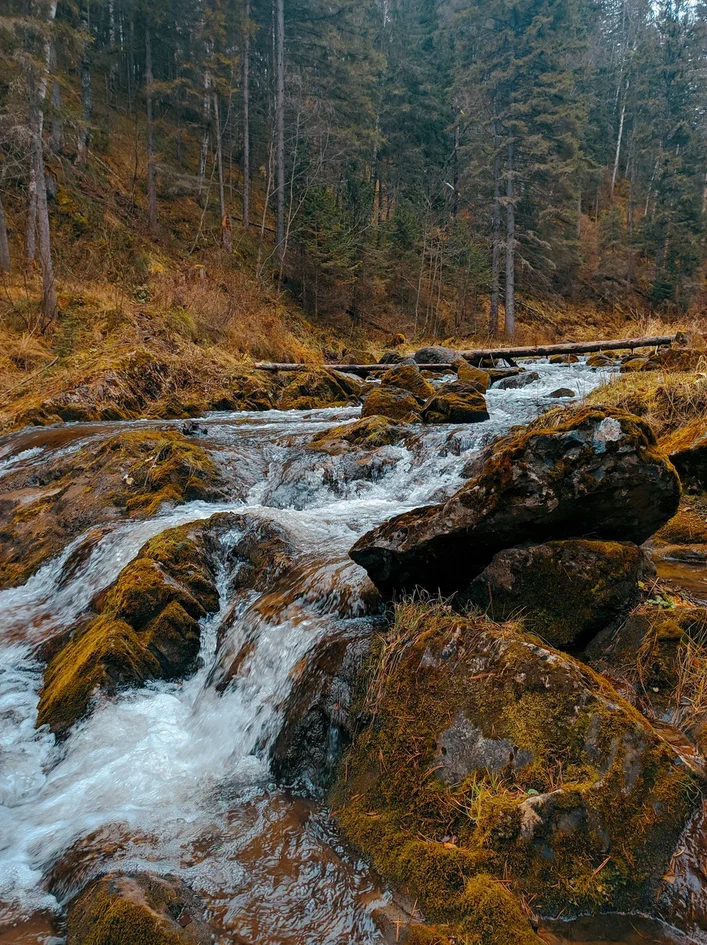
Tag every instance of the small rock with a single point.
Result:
(473, 377)
(516, 381)
(563, 392)
(456, 402)
(192, 428)
(563, 359)
(407, 376)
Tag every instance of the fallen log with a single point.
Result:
(528, 351)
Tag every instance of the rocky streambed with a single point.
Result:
(216, 726)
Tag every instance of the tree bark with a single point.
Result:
(5, 260)
(57, 137)
(496, 237)
(246, 116)
(618, 145)
(151, 168)
(206, 111)
(86, 92)
(280, 125)
(226, 241)
(510, 308)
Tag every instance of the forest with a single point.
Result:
(448, 161)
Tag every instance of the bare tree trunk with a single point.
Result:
(57, 138)
(226, 240)
(31, 222)
(510, 314)
(86, 93)
(151, 169)
(496, 226)
(618, 144)
(207, 129)
(5, 261)
(246, 117)
(280, 124)
(455, 179)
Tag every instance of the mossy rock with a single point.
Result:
(687, 527)
(600, 360)
(369, 433)
(137, 909)
(490, 755)
(407, 376)
(456, 402)
(634, 365)
(147, 627)
(472, 377)
(605, 583)
(393, 403)
(683, 359)
(311, 390)
(587, 472)
(687, 448)
(131, 473)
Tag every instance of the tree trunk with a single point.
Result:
(618, 144)
(206, 111)
(246, 117)
(510, 314)
(31, 223)
(280, 125)
(57, 138)
(455, 179)
(86, 93)
(226, 241)
(496, 226)
(5, 261)
(151, 168)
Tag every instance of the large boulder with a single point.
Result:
(407, 377)
(585, 473)
(314, 389)
(687, 448)
(533, 581)
(394, 403)
(137, 908)
(473, 377)
(517, 381)
(456, 402)
(435, 354)
(369, 433)
(488, 753)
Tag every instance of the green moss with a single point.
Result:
(602, 782)
(408, 377)
(314, 389)
(393, 403)
(456, 403)
(147, 628)
(370, 433)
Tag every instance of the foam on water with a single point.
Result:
(180, 770)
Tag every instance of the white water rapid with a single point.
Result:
(174, 777)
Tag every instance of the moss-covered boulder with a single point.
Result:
(471, 376)
(311, 390)
(146, 627)
(393, 403)
(489, 755)
(137, 909)
(563, 359)
(407, 376)
(687, 448)
(600, 360)
(369, 433)
(130, 473)
(456, 402)
(581, 473)
(635, 364)
(606, 579)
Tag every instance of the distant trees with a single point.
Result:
(447, 160)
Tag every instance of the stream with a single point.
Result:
(174, 777)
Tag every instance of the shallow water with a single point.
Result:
(174, 777)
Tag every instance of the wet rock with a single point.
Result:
(138, 908)
(391, 357)
(146, 626)
(513, 714)
(315, 389)
(499, 374)
(192, 428)
(639, 364)
(130, 473)
(370, 433)
(533, 581)
(588, 473)
(393, 403)
(600, 360)
(563, 392)
(407, 376)
(456, 402)
(687, 448)
(563, 359)
(517, 381)
(472, 377)
(318, 723)
(434, 354)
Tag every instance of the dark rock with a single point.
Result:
(317, 721)
(516, 381)
(369, 433)
(192, 428)
(563, 392)
(391, 357)
(533, 581)
(144, 908)
(601, 360)
(434, 354)
(687, 448)
(394, 403)
(634, 364)
(591, 473)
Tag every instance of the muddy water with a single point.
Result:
(175, 777)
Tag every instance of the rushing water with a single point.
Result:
(174, 777)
